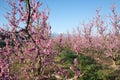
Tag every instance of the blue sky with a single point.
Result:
(67, 14)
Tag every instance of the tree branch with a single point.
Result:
(29, 11)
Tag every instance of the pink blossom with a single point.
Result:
(76, 48)
(49, 43)
(31, 49)
(75, 62)
(108, 54)
(36, 5)
(46, 51)
(37, 41)
(43, 16)
(21, 0)
(35, 16)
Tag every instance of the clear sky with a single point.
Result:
(67, 14)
